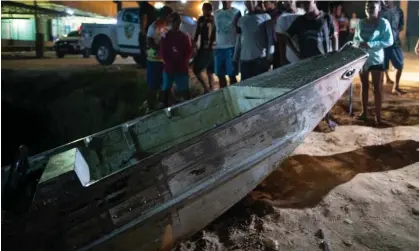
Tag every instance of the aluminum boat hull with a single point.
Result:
(151, 182)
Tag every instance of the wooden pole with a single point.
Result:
(39, 37)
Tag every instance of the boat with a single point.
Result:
(154, 181)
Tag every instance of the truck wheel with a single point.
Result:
(105, 53)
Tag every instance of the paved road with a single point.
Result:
(27, 61)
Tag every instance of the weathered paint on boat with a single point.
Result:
(153, 181)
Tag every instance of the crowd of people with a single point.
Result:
(226, 43)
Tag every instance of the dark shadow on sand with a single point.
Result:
(302, 181)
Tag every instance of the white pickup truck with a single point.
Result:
(107, 40)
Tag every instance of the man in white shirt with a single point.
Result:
(285, 51)
(154, 63)
(225, 21)
(255, 45)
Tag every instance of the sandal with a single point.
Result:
(332, 124)
(362, 117)
(398, 91)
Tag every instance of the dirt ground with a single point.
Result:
(359, 185)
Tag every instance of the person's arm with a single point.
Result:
(237, 48)
(198, 29)
(236, 19)
(212, 37)
(161, 50)
(150, 40)
(401, 21)
(281, 39)
(385, 40)
(291, 32)
(189, 48)
(144, 20)
(269, 31)
(334, 34)
(357, 38)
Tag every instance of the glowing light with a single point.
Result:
(194, 18)
(69, 11)
(113, 21)
(158, 5)
(183, 1)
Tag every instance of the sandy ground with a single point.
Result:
(26, 60)
(359, 185)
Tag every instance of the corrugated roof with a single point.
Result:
(44, 8)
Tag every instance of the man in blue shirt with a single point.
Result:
(394, 53)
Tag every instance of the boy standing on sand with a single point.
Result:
(316, 35)
(272, 10)
(175, 50)
(394, 53)
(154, 61)
(204, 58)
(254, 47)
(225, 40)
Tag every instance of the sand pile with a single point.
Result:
(359, 185)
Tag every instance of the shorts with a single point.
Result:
(223, 62)
(154, 74)
(203, 60)
(395, 55)
(254, 67)
(181, 80)
(377, 67)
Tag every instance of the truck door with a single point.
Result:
(128, 30)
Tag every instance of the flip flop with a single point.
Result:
(398, 92)
(362, 117)
(332, 125)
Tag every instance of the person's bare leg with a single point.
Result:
(222, 81)
(233, 80)
(186, 95)
(210, 76)
(396, 86)
(166, 98)
(152, 99)
(377, 81)
(200, 78)
(364, 94)
(388, 79)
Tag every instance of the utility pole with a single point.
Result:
(118, 5)
(39, 37)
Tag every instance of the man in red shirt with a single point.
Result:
(175, 50)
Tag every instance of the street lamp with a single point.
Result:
(69, 11)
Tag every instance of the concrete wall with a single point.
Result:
(411, 33)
